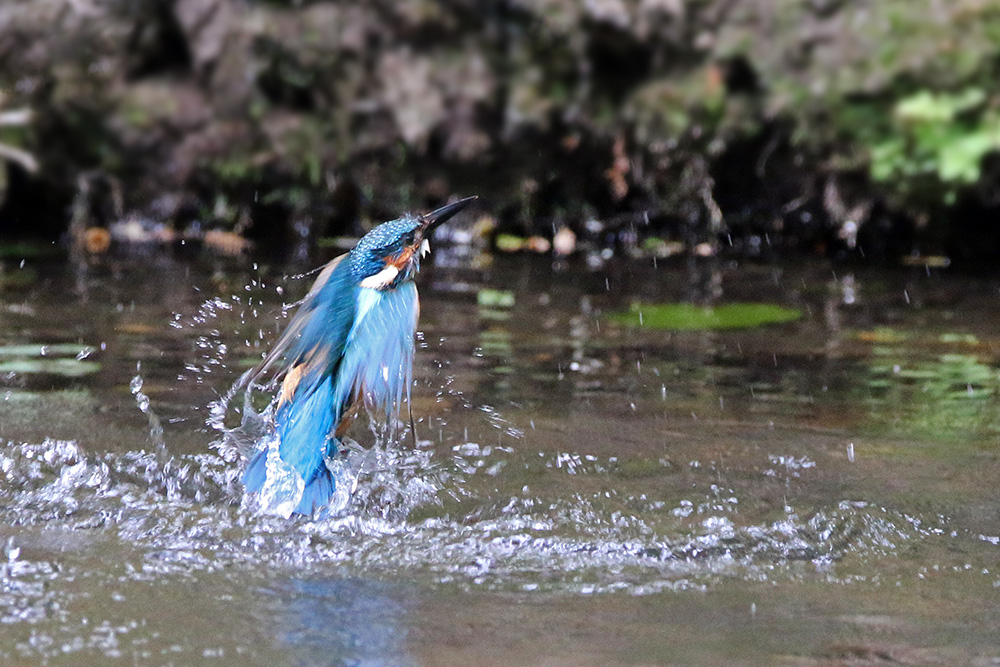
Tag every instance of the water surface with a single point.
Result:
(579, 491)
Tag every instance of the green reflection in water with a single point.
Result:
(495, 339)
(45, 350)
(949, 395)
(28, 250)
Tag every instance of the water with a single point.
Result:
(577, 491)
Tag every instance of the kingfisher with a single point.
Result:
(350, 344)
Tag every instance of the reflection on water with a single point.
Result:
(940, 388)
(560, 454)
(330, 621)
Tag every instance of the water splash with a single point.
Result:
(397, 479)
(442, 520)
(142, 401)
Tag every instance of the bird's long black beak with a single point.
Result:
(438, 216)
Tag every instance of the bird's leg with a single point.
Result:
(413, 427)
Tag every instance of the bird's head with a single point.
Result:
(390, 254)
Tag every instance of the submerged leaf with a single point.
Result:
(54, 349)
(495, 298)
(63, 367)
(689, 317)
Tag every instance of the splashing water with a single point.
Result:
(108, 488)
(382, 465)
(142, 401)
(456, 513)
(412, 515)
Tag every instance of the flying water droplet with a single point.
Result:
(10, 551)
(142, 401)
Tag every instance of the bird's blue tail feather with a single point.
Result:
(304, 425)
(256, 472)
(317, 493)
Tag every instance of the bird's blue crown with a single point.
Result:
(386, 240)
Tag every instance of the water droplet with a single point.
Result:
(12, 552)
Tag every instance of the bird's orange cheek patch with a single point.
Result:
(403, 258)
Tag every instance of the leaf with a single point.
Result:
(959, 159)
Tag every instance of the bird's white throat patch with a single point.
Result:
(425, 247)
(382, 279)
(367, 301)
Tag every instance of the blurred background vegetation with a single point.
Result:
(867, 128)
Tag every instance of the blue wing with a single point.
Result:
(320, 326)
(308, 354)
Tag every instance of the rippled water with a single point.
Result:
(577, 491)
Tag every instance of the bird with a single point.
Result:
(350, 344)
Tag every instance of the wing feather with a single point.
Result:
(317, 334)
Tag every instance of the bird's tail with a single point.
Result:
(317, 493)
(256, 473)
(304, 425)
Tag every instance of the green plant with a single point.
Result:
(944, 135)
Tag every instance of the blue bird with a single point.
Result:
(350, 343)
